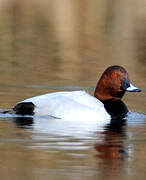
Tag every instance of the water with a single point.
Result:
(49, 46)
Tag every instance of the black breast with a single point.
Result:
(117, 109)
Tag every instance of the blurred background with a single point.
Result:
(55, 45)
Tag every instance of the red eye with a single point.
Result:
(114, 75)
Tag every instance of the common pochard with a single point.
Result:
(106, 103)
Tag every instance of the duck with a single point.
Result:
(106, 104)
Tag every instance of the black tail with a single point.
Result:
(8, 111)
(24, 108)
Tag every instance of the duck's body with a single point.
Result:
(68, 105)
(105, 105)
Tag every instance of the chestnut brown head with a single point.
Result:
(113, 84)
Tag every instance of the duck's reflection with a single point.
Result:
(23, 122)
(111, 150)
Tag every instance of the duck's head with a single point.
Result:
(113, 84)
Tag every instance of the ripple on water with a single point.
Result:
(135, 118)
